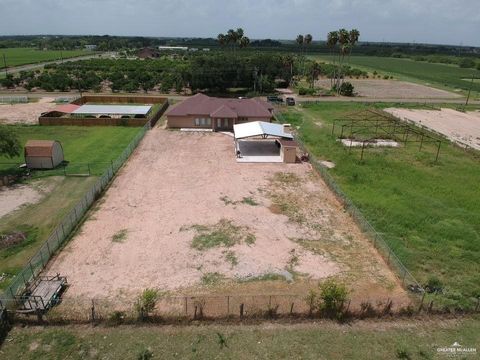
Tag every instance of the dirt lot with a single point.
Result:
(25, 113)
(463, 128)
(15, 196)
(393, 89)
(182, 195)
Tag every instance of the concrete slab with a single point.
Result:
(259, 151)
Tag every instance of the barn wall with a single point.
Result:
(39, 162)
(57, 154)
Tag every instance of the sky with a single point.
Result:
(454, 22)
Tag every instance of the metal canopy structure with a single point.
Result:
(366, 126)
(260, 128)
(112, 110)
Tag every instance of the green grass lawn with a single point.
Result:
(95, 145)
(23, 56)
(449, 77)
(325, 340)
(428, 212)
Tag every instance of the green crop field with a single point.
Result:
(23, 56)
(325, 340)
(95, 145)
(449, 77)
(428, 212)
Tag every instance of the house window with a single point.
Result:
(209, 122)
(225, 122)
(197, 122)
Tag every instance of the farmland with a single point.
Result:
(48, 195)
(24, 56)
(427, 212)
(450, 77)
(400, 339)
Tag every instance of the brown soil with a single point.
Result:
(25, 113)
(462, 128)
(177, 179)
(394, 89)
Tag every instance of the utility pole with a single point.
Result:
(470, 88)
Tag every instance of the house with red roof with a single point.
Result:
(219, 114)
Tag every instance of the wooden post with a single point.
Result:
(430, 307)
(291, 308)
(186, 306)
(421, 304)
(438, 151)
(195, 313)
(93, 312)
(228, 305)
(241, 311)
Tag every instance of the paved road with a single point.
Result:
(15, 69)
(40, 94)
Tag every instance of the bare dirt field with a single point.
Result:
(183, 216)
(25, 113)
(15, 196)
(394, 89)
(462, 128)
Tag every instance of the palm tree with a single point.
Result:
(222, 39)
(332, 41)
(315, 72)
(244, 42)
(307, 40)
(299, 40)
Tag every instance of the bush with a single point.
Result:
(466, 63)
(147, 301)
(346, 89)
(332, 298)
(306, 91)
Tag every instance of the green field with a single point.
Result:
(449, 77)
(325, 340)
(427, 212)
(23, 56)
(96, 145)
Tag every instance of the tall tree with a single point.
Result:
(332, 41)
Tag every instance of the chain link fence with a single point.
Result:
(408, 280)
(63, 231)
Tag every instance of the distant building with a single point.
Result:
(91, 47)
(147, 53)
(173, 48)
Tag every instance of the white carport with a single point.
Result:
(252, 143)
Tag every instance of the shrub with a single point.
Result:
(146, 301)
(466, 63)
(145, 354)
(332, 298)
(346, 89)
(434, 285)
(306, 91)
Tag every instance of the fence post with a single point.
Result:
(186, 306)
(228, 305)
(241, 311)
(93, 312)
(421, 304)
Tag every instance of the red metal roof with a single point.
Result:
(67, 108)
(203, 105)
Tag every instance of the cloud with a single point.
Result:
(432, 21)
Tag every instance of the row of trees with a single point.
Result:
(216, 72)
